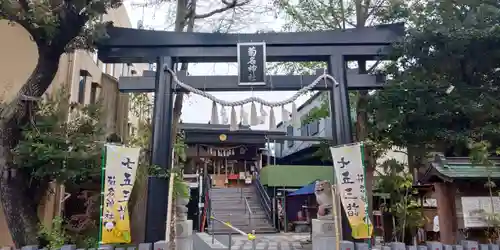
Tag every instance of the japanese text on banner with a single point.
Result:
(120, 171)
(349, 172)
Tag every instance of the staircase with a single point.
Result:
(227, 205)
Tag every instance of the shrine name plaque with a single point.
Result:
(251, 64)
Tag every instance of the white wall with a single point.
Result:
(324, 128)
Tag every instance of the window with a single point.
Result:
(129, 66)
(81, 88)
(289, 132)
(112, 69)
(93, 92)
(303, 129)
(314, 127)
(103, 67)
(124, 66)
(94, 57)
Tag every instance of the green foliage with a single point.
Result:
(331, 15)
(448, 43)
(54, 147)
(55, 236)
(90, 242)
(141, 106)
(142, 138)
(55, 25)
(180, 188)
(395, 180)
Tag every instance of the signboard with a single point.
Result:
(119, 177)
(251, 64)
(474, 209)
(350, 177)
(430, 202)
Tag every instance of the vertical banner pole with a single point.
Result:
(170, 198)
(336, 218)
(367, 216)
(101, 206)
(230, 234)
(337, 203)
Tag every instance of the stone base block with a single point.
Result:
(184, 232)
(184, 229)
(323, 235)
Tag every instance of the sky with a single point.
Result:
(197, 109)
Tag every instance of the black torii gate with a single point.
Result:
(126, 45)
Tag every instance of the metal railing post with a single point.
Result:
(272, 211)
(230, 234)
(212, 229)
(241, 194)
(249, 210)
(254, 244)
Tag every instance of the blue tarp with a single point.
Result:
(305, 190)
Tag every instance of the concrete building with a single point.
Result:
(289, 150)
(302, 152)
(87, 79)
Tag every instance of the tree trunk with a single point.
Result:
(362, 134)
(180, 24)
(416, 158)
(19, 209)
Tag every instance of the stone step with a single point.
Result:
(239, 217)
(236, 215)
(230, 197)
(240, 226)
(235, 202)
(224, 191)
(259, 230)
(234, 205)
(241, 220)
(231, 190)
(227, 205)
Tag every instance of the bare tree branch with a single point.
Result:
(228, 6)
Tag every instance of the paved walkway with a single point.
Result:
(282, 241)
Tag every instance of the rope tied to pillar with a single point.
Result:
(254, 118)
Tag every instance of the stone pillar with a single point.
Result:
(323, 235)
(446, 210)
(183, 237)
(183, 227)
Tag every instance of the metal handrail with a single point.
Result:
(249, 210)
(264, 198)
(262, 187)
(228, 224)
(250, 236)
(207, 185)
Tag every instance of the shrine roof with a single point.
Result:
(198, 133)
(453, 168)
(207, 126)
